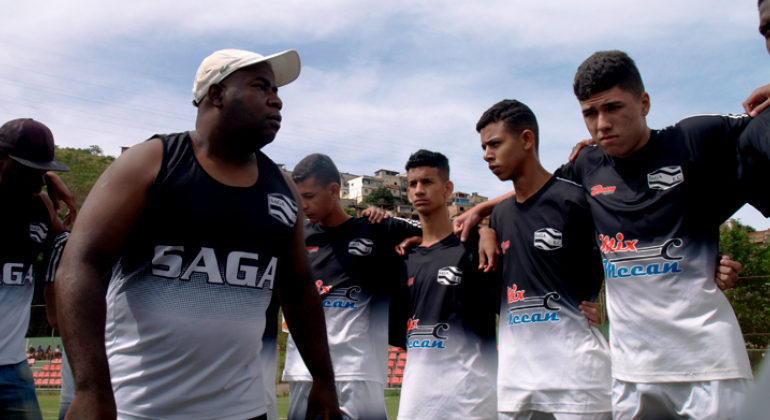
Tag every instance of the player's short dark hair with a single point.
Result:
(603, 71)
(759, 3)
(318, 166)
(516, 116)
(430, 159)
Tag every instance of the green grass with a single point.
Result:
(49, 404)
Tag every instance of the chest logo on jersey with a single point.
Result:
(599, 189)
(449, 276)
(665, 178)
(548, 239)
(622, 265)
(519, 303)
(425, 337)
(282, 208)
(38, 231)
(505, 245)
(239, 267)
(15, 275)
(341, 297)
(360, 247)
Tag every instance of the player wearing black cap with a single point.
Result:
(28, 224)
(198, 229)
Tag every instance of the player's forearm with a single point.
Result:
(82, 312)
(485, 209)
(305, 318)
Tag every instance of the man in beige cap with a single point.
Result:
(198, 228)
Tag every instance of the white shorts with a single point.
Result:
(539, 415)
(717, 400)
(359, 400)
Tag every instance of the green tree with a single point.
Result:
(751, 297)
(349, 210)
(86, 166)
(380, 196)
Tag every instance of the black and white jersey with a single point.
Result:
(355, 266)
(550, 358)
(654, 213)
(24, 223)
(451, 356)
(187, 299)
(754, 147)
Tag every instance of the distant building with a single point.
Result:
(761, 237)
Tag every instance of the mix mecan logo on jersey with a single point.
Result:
(527, 310)
(548, 239)
(625, 258)
(340, 297)
(425, 337)
(360, 247)
(282, 208)
(665, 178)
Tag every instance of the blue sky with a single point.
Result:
(379, 79)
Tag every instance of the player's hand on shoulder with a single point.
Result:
(406, 243)
(464, 223)
(59, 192)
(757, 101)
(592, 311)
(727, 273)
(489, 251)
(578, 147)
(92, 406)
(322, 402)
(375, 214)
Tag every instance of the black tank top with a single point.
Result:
(187, 299)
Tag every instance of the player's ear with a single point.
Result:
(216, 94)
(449, 188)
(527, 138)
(334, 191)
(645, 103)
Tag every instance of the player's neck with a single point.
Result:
(531, 180)
(335, 218)
(435, 227)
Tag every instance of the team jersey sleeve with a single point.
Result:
(57, 247)
(399, 229)
(754, 152)
(713, 139)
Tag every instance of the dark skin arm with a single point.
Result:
(304, 315)
(111, 210)
(49, 293)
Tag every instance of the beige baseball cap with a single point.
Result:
(218, 66)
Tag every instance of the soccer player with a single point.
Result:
(452, 359)
(200, 227)
(29, 224)
(677, 349)
(552, 363)
(355, 267)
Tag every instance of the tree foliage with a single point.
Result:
(379, 194)
(86, 166)
(751, 297)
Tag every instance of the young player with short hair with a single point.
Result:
(552, 363)
(452, 360)
(677, 348)
(355, 268)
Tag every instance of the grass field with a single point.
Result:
(49, 405)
